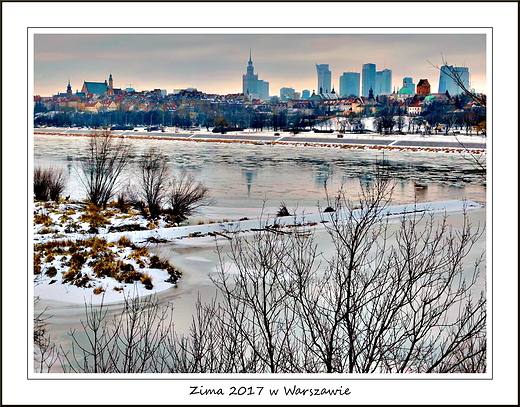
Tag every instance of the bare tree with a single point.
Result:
(478, 160)
(256, 299)
(153, 181)
(45, 349)
(406, 307)
(130, 343)
(100, 173)
(186, 196)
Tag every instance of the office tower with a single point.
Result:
(349, 83)
(324, 78)
(306, 94)
(383, 82)
(263, 89)
(447, 83)
(368, 78)
(408, 84)
(285, 91)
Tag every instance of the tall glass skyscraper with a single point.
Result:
(383, 82)
(368, 79)
(349, 83)
(324, 78)
(446, 82)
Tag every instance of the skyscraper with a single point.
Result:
(446, 82)
(253, 86)
(383, 82)
(324, 78)
(368, 79)
(349, 83)
(250, 80)
(264, 89)
(285, 91)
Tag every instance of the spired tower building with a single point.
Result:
(251, 85)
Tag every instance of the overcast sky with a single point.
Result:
(215, 63)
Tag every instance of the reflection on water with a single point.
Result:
(244, 175)
(249, 174)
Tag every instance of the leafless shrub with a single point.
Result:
(282, 210)
(153, 181)
(100, 173)
(45, 349)
(377, 307)
(187, 196)
(49, 183)
(129, 343)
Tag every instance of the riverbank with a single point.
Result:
(401, 142)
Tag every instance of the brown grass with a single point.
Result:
(42, 219)
(146, 280)
(124, 242)
(51, 272)
(94, 217)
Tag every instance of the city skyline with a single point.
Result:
(215, 63)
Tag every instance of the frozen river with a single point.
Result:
(241, 176)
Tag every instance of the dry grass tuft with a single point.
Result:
(124, 242)
(42, 219)
(146, 280)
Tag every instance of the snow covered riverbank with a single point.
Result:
(198, 238)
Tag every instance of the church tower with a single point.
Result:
(110, 85)
(69, 89)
